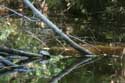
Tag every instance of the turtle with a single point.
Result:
(45, 54)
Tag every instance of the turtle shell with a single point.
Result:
(44, 52)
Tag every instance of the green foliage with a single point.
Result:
(5, 30)
(53, 3)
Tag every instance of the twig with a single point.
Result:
(35, 37)
(84, 42)
(19, 14)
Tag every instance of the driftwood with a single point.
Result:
(43, 18)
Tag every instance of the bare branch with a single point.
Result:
(18, 52)
(13, 69)
(6, 62)
(19, 14)
(35, 37)
(84, 51)
(66, 71)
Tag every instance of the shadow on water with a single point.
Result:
(106, 70)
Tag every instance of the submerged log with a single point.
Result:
(96, 49)
(3, 11)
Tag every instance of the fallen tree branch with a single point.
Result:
(7, 67)
(12, 69)
(30, 57)
(66, 71)
(18, 52)
(84, 51)
(6, 62)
